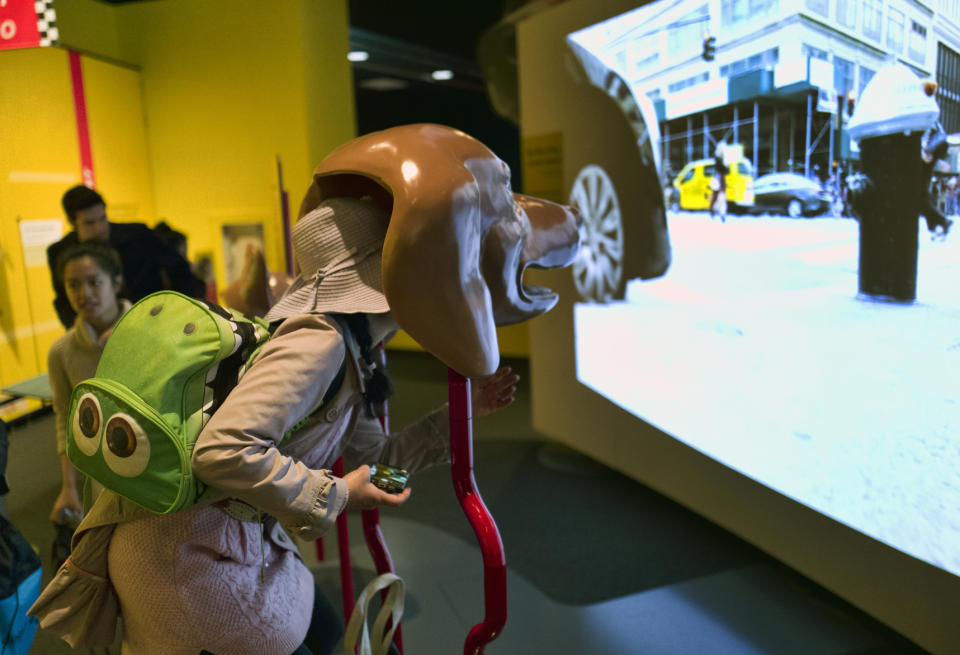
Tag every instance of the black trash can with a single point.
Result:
(889, 214)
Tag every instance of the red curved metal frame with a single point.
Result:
(488, 536)
(373, 536)
(484, 527)
(343, 546)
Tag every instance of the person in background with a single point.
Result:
(718, 183)
(148, 263)
(934, 148)
(175, 239)
(951, 206)
(92, 276)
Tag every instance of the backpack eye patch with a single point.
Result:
(86, 424)
(128, 448)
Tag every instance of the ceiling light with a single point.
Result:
(442, 75)
(358, 55)
(383, 84)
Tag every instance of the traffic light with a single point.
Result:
(850, 102)
(709, 48)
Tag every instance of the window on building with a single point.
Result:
(842, 75)
(918, 42)
(895, 30)
(872, 18)
(950, 9)
(642, 54)
(822, 7)
(735, 12)
(866, 75)
(815, 52)
(687, 37)
(948, 87)
(847, 13)
(654, 94)
(690, 81)
(765, 59)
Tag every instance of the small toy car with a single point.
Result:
(391, 479)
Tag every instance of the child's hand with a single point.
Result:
(365, 495)
(495, 392)
(66, 506)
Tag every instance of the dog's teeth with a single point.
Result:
(532, 290)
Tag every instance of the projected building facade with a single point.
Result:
(779, 69)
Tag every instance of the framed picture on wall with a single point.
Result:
(236, 239)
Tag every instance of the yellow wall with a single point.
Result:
(118, 140)
(40, 160)
(189, 106)
(512, 341)
(229, 86)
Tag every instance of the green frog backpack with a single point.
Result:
(168, 365)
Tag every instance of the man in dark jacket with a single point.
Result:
(934, 149)
(148, 263)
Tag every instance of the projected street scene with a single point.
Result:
(755, 351)
(767, 344)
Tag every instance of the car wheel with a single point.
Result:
(795, 208)
(598, 270)
(605, 129)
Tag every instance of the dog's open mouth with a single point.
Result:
(539, 298)
(551, 239)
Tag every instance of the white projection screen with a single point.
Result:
(754, 406)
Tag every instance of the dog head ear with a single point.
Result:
(446, 191)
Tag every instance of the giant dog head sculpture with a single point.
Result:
(458, 240)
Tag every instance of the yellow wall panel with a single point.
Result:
(230, 87)
(118, 140)
(512, 340)
(38, 160)
(89, 26)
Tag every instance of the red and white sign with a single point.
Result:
(27, 24)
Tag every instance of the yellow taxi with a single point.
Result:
(692, 185)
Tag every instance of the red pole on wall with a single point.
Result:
(80, 112)
(488, 537)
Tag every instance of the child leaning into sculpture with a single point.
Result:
(224, 577)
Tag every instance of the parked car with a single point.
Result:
(790, 194)
(692, 186)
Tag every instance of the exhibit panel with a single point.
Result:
(684, 384)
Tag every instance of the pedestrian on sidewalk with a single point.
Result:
(718, 183)
(933, 149)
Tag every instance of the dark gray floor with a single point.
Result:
(597, 563)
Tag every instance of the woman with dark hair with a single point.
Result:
(93, 277)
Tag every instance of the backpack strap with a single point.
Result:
(327, 397)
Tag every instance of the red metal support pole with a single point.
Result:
(343, 545)
(488, 537)
(372, 533)
(381, 557)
